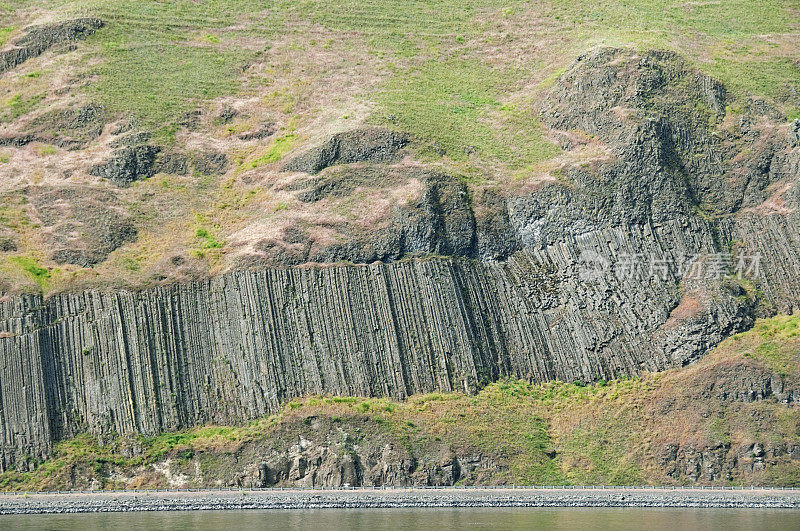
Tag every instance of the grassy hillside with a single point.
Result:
(462, 77)
(614, 432)
(158, 59)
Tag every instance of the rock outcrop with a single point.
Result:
(128, 164)
(360, 145)
(237, 346)
(720, 462)
(39, 39)
(68, 128)
(82, 226)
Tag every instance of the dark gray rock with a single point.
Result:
(131, 139)
(660, 117)
(39, 39)
(210, 163)
(226, 115)
(533, 286)
(172, 162)
(70, 128)
(128, 164)
(441, 222)
(721, 462)
(265, 130)
(384, 329)
(7, 244)
(359, 145)
(793, 134)
(16, 140)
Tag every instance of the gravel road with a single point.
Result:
(399, 497)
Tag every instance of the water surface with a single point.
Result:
(420, 519)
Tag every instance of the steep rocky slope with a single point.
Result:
(678, 235)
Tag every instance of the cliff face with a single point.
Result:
(236, 347)
(728, 419)
(591, 278)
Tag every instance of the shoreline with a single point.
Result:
(379, 498)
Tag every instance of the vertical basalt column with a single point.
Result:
(25, 430)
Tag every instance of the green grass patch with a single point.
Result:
(157, 80)
(455, 107)
(603, 451)
(728, 19)
(45, 150)
(153, 65)
(5, 33)
(777, 344)
(207, 240)
(31, 266)
(131, 264)
(774, 342)
(777, 79)
(159, 59)
(18, 105)
(279, 147)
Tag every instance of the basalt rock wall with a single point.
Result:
(238, 346)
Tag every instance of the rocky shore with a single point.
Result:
(391, 498)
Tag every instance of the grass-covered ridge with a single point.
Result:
(553, 433)
(157, 59)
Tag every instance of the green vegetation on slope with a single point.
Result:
(775, 343)
(451, 62)
(31, 266)
(455, 105)
(552, 433)
(463, 77)
(4, 33)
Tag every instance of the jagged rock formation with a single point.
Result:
(134, 159)
(128, 164)
(265, 130)
(172, 162)
(326, 453)
(441, 222)
(70, 128)
(360, 145)
(237, 346)
(539, 286)
(39, 39)
(210, 163)
(721, 462)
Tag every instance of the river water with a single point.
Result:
(420, 519)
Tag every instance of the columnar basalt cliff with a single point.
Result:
(535, 286)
